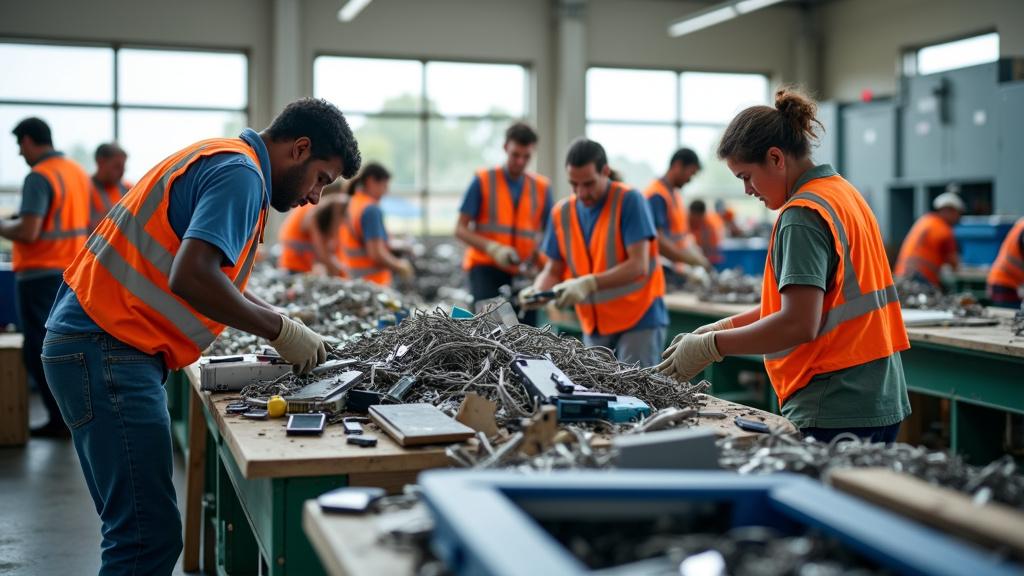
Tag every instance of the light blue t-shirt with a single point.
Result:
(372, 222)
(635, 224)
(215, 200)
(659, 211)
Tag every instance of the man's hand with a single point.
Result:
(574, 290)
(526, 299)
(299, 346)
(405, 270)
(723, 324)
(688, 355)
(505, 256)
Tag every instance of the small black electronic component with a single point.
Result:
(350, 499)
(397, 392)
(306, 424)
(256, 414)
(236, 408)
(362, 440)
(751, 425)
(352, 426)
(359, 401)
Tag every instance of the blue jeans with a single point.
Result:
(885, 434)
(644, 346)
(112, 397)
(34, 299)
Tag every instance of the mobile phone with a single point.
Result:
(351, 499)
(257, 414)
(236, 408)
(751, 425)
(352, 427)
(362, 440)
(306, 424)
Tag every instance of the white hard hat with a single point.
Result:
(948, 200)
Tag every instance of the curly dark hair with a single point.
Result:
(325, 126)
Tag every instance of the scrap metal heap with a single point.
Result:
(731, 286)
(439, 274)
(919, 295)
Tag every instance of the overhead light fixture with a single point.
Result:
(351, 9)
(715, 15)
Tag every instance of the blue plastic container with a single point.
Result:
(980, 238)
(747, 253)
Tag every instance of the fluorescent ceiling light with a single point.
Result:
(744, 6)
(351, 9)
(705, 20)
(715, 15)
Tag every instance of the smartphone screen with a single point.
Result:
(306, 423)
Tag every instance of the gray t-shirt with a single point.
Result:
(867, 395)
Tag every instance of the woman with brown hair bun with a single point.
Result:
(829, 324)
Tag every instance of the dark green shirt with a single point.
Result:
(865, 395)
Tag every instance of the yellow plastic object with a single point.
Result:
(276, 406)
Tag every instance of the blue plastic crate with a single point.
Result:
(747, 253)
(487, 523)
(980, 238)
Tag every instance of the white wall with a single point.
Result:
(863, 39)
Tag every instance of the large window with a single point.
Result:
(642, 116)
(153, 101)
(951, 55)
(431, 124)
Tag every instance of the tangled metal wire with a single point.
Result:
(731, 286)
(920, 295)
(997, 481)
(1018, 323)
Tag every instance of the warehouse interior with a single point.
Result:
(921, 110)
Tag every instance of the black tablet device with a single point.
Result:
(306, 424)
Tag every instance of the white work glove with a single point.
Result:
(574, 290)
(504, 256)
(723, 324)
(688, 355)
(524, 299)
(299, 346)
(405, 269)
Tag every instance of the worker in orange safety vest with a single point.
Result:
(930, 243)
(1005, 285)
(107, 185)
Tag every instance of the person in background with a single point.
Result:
(363, 239)
(107, 185)
(666, 204)
(728, 217)
(309, 236)
(158, 280)
(930, 243)
(829, 324)
(502, 219)
(707, 229)
(1005, 285)
(602, 252)
(50, 228)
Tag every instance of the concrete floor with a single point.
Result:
(48, 524)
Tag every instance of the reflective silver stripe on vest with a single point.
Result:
(148, 247)
(59, 232)
(144, 289)
(250, 257)
(101, 191)
(857, 304)
(355, 252)
(1018, 262)
(298, 246)
(492, 182)
(565, 215)
(63, 234)
(501, 229)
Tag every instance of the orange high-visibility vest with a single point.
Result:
(922, 249)
(102, 198)
(708, 236)
(122, 276)
(515, 225)
(678, 233)
(66, 223)
(1008, 269)
(612, 310)
(297, 252)
(354, 257)
(861, 319)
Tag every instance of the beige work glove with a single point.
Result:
(504, 256)
(723, 324)
(574, 290)
(694, 256)
(299, 346)
(524, 299)
(688, 355)
(405, 270)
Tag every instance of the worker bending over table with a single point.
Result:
(930, 243)
(309, 236)
(602, 254)
(669, 213)
(157, 281)
(365, 252)
(829, 324)
(1005, 285)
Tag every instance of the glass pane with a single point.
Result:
(76, 132)
(714, 177)
(638, 153)
(27, 72)
(176, 129)
(967, 52)
(368, 85)
(458, 148)
(442, 214)
(393, 142)
(407, 215)
(614, 94)
(191, 79)
(716, 98)
(495, 89)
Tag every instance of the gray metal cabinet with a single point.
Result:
(829, 146)
(1009, 192)
(869, 143)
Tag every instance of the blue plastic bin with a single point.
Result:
(980, 238)
(747, 253)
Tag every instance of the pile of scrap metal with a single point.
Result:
(332, 306)
(439, 274)
(1018, 323)
(731, 286)
(924, 296)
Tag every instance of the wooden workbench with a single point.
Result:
(13, 391)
